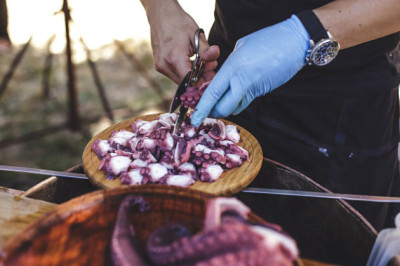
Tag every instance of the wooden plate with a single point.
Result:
(79, 231)
(230, 183)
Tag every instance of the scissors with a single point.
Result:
(188, 81)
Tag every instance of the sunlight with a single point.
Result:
(99, 22)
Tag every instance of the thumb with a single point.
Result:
(210, 54)
(207, 53)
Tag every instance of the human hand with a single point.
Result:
(260, 62)
(172, 39)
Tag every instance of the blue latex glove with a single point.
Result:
(260, 62)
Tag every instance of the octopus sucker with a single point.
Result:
(229, 237)
(218, 131)
(162, 242)
(124, 243)
(192, 95)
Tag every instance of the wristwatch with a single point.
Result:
(323, 47)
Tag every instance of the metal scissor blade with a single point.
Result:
(176, 101)
(190, 80)
(181, 116)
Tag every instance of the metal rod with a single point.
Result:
(27, 170)
(322, 195)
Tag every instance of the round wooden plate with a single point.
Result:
(79, 231)
(230, 183)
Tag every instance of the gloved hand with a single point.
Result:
(260, 62)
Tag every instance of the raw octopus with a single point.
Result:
(227, 238)
(192, 95)
(150, 153)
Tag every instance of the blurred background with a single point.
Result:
(113, 78)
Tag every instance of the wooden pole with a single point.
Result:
(99, 85)
(13, 67)
(165, 102)
(74, 122)
(47, 70)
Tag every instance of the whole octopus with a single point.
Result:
(151, 153)
(227, 238)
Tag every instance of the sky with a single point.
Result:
(98, 21)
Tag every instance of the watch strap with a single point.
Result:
(313, 25)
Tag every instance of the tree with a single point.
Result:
(4, 37)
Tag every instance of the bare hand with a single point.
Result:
(172, 39)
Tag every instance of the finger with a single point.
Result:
(207, 53)
(229, 101)
(205, 77)
(210, 66)
(178, 66)
(209, 75)
(166, 66)
(242, 105)
(210, 54)
(203, 45)
(215, 90)
(208, 72)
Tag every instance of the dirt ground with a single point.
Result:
(24, 108)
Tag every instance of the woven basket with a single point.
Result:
(78, 232)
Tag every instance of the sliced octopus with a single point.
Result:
(150, 153)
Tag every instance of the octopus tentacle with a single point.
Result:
(223, 231)
(124, 243)
(226, 239)
(229, 237)
(217, 207)
(245, 256)
(218, 131)
(192, 95)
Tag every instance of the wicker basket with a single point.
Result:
(78, 232)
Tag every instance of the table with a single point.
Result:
(17, 212)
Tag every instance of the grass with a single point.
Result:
(23, 109)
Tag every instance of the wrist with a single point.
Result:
(156, 9)
(323, 47)
(151, 5)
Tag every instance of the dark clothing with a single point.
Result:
(338, 124)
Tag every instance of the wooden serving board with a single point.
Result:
(230, 183)
(17, 212)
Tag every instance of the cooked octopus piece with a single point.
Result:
(150, 153)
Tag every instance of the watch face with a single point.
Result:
(324, 52)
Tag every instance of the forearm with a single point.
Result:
(353, 22)
(156, 9)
